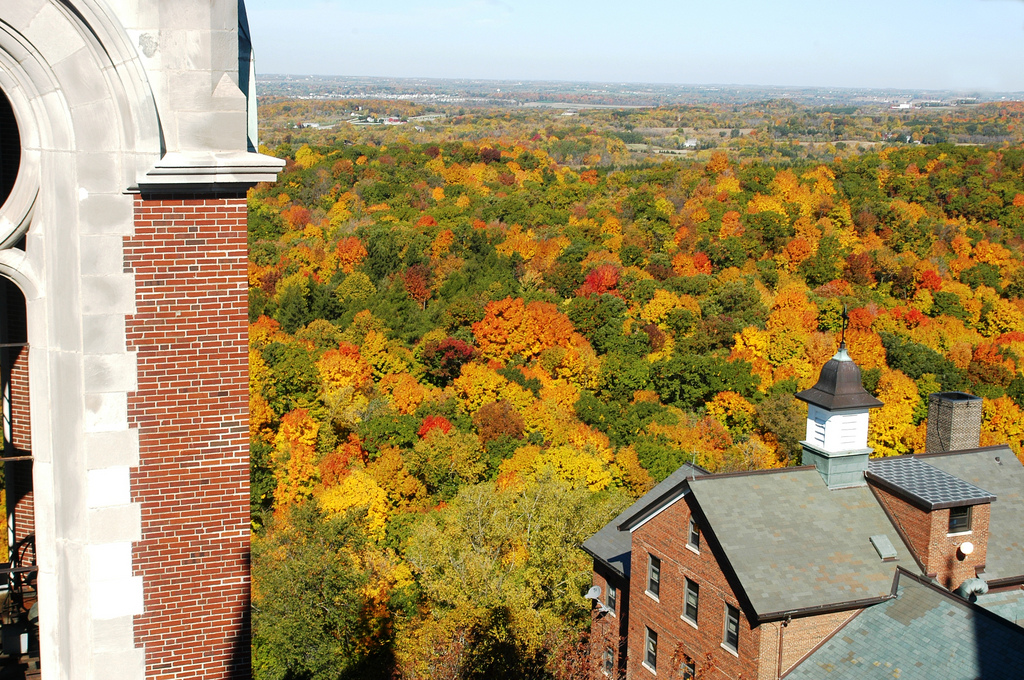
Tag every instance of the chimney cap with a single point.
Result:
(839, 386)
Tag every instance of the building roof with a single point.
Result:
(996, 469)
(839, 386)
(612, 545)
(922, 634)
(924, 485)
(795, 545)
(1008, 604)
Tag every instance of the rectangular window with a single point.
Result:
(651, 650)
(689, 668)
(610, 597)
(694, 540)
(653, 575)
(690, 601)
(732, 628)
(959, 520)
(608, 664)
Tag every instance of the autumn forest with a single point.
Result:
(477, 336)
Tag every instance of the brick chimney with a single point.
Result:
(954, 422)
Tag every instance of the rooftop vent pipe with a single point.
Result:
(971, 588)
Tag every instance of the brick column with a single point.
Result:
(188, 257)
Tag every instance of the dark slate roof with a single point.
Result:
(922, 634)
(839, 386)
(996, 469)
(612, 545)
(924, 485)
(794, 544)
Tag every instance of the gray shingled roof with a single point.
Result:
(612, 546)
(923, 634)
(794, 544)
(1007, 603)
(1005, 478)
(924, 485)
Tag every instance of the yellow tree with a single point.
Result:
(1003, 423)
(892, 425)
(296, 470)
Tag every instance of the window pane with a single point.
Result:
(694, 534)
(610, 600)
(689, 669)
(609, 660)
(651, 655)
(959, 519)
(732, 627)
(691, 600)
(654, 576)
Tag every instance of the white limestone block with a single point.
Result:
(109, 561)
(111, 449)
(110, 293)
(114, 598)
(98, 173)
(80, 80)
(102, 254)
(108, 487)
(111, 372)
(116, 523)
(129, 664)
(106, 411)
(106, 214)
(52, 34)
(103, 333)
(96, 126)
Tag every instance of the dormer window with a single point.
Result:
(960, 520)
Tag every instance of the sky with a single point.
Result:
(902, 44)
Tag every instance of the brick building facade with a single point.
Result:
(752, 575)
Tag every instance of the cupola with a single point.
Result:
(837, 422)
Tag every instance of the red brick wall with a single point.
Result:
(927, 533)
(665, 537)
(799, 638)
(20, 499)
(20, 485)
(191, 410)
(607, 630)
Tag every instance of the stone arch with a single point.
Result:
(89, 128)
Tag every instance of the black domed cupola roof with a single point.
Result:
(839, 386)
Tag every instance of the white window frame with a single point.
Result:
(608, 662)
(611, 598)
(691, 587)
(694, 529)
(734, 650)
(970, 522)
(650, 642)
(653, 576)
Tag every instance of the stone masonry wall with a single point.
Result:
(664, 536)
(188, 258)
(929, 537)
